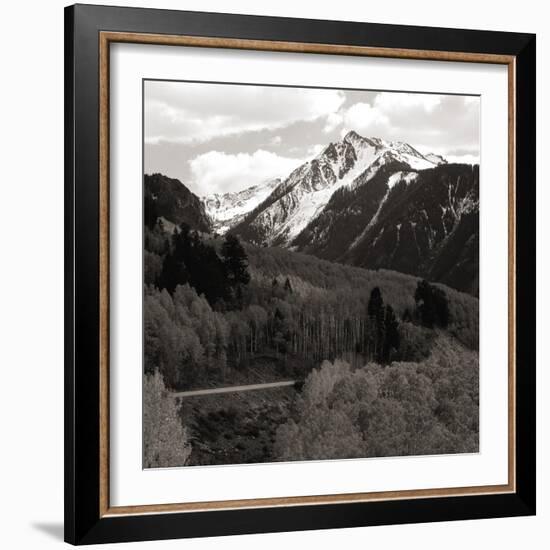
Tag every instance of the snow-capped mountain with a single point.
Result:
(377, 204)
(227, 209)
(303, 195)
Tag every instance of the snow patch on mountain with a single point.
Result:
(406, 177)
(227, 209)
(436, 159)
(393, 180)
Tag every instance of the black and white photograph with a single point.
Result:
(310, 273)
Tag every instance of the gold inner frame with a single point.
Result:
(105, 39)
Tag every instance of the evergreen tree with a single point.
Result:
(376, 303)
(174, 269)
(391, 334)
(425, 310)
(375, 309)
(432, 307)
(208, 274)
(235, 261)
(441, 307)
(173, 273)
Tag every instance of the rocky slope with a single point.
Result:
(227, 209)
(171, 201)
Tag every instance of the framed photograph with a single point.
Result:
(300, 274)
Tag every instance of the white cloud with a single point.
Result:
(183, 119)
(314, 150)
(428, 120)
(462, 159)
(332, 122)
(186, 112)
(366, 120)
(218, 172)
(392, 102)
(457, 155)
(388, 113)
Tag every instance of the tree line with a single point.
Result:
(189, 260)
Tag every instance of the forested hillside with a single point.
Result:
(231, 305)
(169, 200)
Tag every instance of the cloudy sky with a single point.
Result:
(217, 138)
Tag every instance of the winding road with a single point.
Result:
(231, 389)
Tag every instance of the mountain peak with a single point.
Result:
(358, 140)
(361, 142)
(352, 135)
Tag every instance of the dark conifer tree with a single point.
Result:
(441, 307)
(391, 334)
(173, 273)
(376, 303)
(432, 307)
(375, 309)
(174, 269)
(425, 310)
(208, 273)
(235, 261)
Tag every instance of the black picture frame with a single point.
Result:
(84, 524)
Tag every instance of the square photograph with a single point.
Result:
(310, 273)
